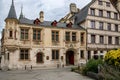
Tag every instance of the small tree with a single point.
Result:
(92, 66)
(113, 58)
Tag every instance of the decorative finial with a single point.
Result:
(12, 1)
(22, 9)
(21, 14)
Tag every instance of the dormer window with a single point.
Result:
(37, 21)
(54, 23)
(69, 25)
(100, 2)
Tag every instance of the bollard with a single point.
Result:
(78, 67)
(31, 67)
(57, 65)
(63, 65)
(25, 67)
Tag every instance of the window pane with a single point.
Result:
(24, 33)
(109, 26)
(101, 25)
(24, 55)
(92, 24)
(67, 36)
(92, 38)
(117, 40)
(102, 39)
(92, 11)
(57, 54)
(73, 36)
(10, 34)
(109, 39)
(100, 2)
(82, 38)
(116, 27)
(107, 4)
(108, 14)
(53, 54)
(82, 54)
(115, 16)
(101, 13)
(55, 36)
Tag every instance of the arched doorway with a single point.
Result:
(70, 58)
(39, 57)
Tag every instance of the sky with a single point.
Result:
(53, 9)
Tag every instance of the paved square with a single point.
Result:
(43, 74)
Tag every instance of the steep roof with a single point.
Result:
(47, 24)
(81, 16)
(12, 12)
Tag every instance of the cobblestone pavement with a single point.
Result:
(42, 74)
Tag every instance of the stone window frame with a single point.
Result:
(93, 38)
(107, 4)
(92, 11)
(67, 36)
(116, 16)
(55, 35)
(72, 36)
(101, 39)
(100, 2)
(116, 27)
(116, 40)
(55, 54)
(37, 35)
(100, 13)
(82, 55)
(92, 24)
(10, 33)
(109, 39)
(24, 32)
(109, 26)
(108, 14)
(101, 25)
(82, 37)
(25, 55)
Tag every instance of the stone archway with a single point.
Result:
(70, 58)
(39, 57)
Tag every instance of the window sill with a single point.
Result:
(55, 60)
(24, 60)
(10, 38)
(37, 41)
(39, 62)
(55, 42)
(25, 40)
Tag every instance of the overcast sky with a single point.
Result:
(53, 9)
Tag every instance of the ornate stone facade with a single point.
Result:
(37, 43)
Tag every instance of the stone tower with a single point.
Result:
(11, 23)
(73, 8)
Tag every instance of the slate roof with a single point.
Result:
(81, 16)
(12, 12)
(47, 24)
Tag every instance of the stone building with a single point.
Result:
(102, 21)
(40, 43)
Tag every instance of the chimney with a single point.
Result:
(73, 8)
(41, 18)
